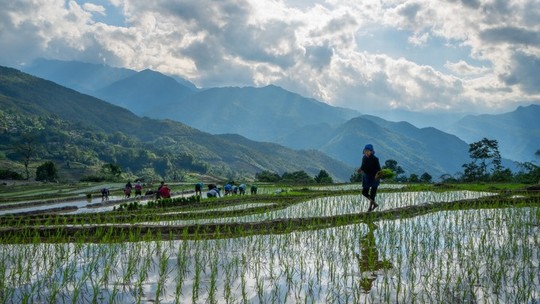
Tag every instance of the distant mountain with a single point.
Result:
(416, 150)
(80, 76)
(146, 93)
(517, 132)
(100, 80)
(258, 113)
(168, 144)
(439, 120)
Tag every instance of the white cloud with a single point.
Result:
(309, 47)
(462, 68)
(94, 8)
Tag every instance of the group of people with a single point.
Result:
(229, 189)
(368, 169)
(163, 191)
(128, 188)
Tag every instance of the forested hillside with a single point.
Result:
(81, 133)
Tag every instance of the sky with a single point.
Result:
(430, 56)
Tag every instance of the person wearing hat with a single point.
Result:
(369, 168)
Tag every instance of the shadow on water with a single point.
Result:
(368, 259)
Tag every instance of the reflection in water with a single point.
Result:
(368, 259)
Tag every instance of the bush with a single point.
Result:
(46, 172)
(92, 178)
(8, 174)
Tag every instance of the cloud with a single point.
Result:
(463, 68)
(511, 35)
(411, 54)
(319, 56)
(525, 73)
(94, 8)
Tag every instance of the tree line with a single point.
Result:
(485, 166)
(296, 177)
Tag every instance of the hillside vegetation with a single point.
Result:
(80, 133)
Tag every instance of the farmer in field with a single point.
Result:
(198, 188)
(138, 189)
(214, 192)
(370, 182)
(228, 189)
(164, 191)
(105, 194)
(127, 189)
(242, 189)
(159, 188)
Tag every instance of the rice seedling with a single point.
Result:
(318, 248)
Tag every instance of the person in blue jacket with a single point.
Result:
(198, 188)
(369, 168)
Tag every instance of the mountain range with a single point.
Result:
(81, 122)
(273, 114)
(518, 132)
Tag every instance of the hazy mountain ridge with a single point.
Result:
(416, 150)
(258, 113)
(518, 132)
(83, 77)
(146, 93)
(28, 95)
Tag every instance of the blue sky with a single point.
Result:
(477, 56)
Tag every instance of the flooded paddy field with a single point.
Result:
(313, 246)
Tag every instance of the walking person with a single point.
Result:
(370, 182)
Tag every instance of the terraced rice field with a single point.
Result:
(311, 246)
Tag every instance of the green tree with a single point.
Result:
(297, 177)
(472, 172)
(46, 172)
(393, 165)
(113, 170)
(447, 178)
(267, 176)
(413, 178)
(323, 178)
(426, 178)
(486, 160)
(25, 150)
(530, 171)
(9, 174)
(503, 175)
(355, 177)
